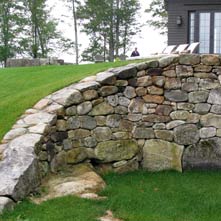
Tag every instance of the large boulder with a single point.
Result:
(162, 155)
(111, 151)
(204, 155)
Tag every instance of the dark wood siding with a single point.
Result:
(179, 34)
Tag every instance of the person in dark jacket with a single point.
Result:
(135, 53)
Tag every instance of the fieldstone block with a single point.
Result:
(210, 59)
(73, 123)
(113, 120)
(79, 133)
(205, 155)
(91, 85)
(189, 59)
(164, 110)
(14, 133)
(158, 80)
(84, 108)
(102, 109)
(169, 73)
(90, 95)
(184, 71)
(185, 106)
(198, 96)
(102, 133)
(211, 120)
(190, 86)
(143, 133)
(162, 155)
(113, 100)
(130, 92)
(164, 135)
(179, 115)
(87, 122)
(202, 108)
(207, 132)
(154, 118)
(76, 155)
(111, 151)
(215, 96)
(176, 95)
(186, 134)
(202, 68)
(6, 204)
(136, 105)
(144, 81)
(106, 78)
(152, 64)
(108, 90)
(174, 124)
(168, 60)
(153, 99)
(90, 142)
(125, 72)
(216, 109)
(172, 83)
(155, 90)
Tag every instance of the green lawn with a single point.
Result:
(137, 196)
(21, 88)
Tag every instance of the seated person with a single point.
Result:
(135, 53)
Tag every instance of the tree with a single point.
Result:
(159, 18)
(11, 23)
(107, 20)
(40, 30)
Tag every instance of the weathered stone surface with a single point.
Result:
(113, 100)
(169, 73)
(6, 204)
(84, 108)
(159, 126)
(189, 59)
(186, 134)
(90, 142)
(210, 59)
(154, 118)
(122, 135)
(106, 78)
(78, 133)
(125, 72)
(71, 111)
(76, 155)
(204, 155)
(207, 132)
(67, 97)
(121, 83)
(166, 61)
(202, 68)
(179, 115)
(40, 117)
(125, 125)
(110, 151)
(61, 125)
(153, 99)
(90, 95)
(39, 129)
(216, 109)
(143, 133)
(123, 101)
(152, 64)
(121, 110)
(193, 118)
(14, 133)
(113, 120)
(211, 120)
(190, 86)
(215, 96)
(172, 83)
(129, 92)
(176, 95)
(136, 105)
(102, 133)
(80, 181)
(164, 135)
(42, 103)
(101, 120)
(19, 169)
(162, 155)
(141, 91)
(184, 71)
(198, 96)
(73, 123)
(144, 81)
(155, 90)
(202, 108)
(185, 106)
(158, 80)
(102, 109)
(108, 90)
(164, 110)
(208, 84)
(91, 85)
(134, 117)
(174, 124)
(87, 122)
(154, 72)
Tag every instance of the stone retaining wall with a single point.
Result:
(156, 115)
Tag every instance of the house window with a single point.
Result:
(204, 32)
(191, 27)
(217, 32)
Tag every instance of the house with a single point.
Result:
(195, 21)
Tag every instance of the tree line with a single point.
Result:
(27, 28)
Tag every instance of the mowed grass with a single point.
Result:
(137, 196)
(21, 88)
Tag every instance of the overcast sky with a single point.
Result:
(148, 41)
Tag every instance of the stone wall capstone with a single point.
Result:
(157, 115)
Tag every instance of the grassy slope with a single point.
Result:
(21, 88)
(138, 196)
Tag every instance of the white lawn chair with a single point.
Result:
(180, 48)
(169, 49)
(192, 48)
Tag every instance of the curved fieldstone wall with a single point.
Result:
(156, 115)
